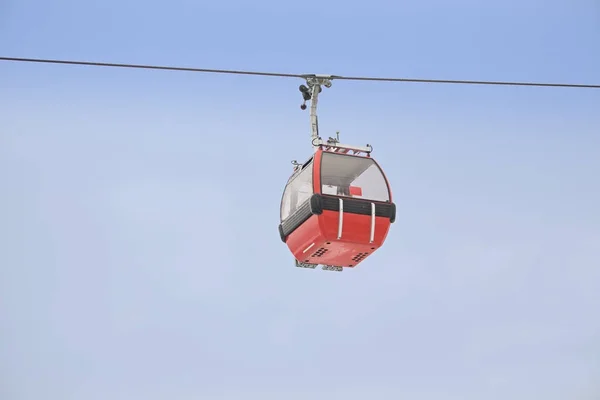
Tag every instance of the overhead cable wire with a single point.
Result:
(159, 67)
(302, 76)
(469, 82)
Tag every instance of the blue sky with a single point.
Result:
(139, 252)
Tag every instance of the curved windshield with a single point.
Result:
(297, 191)
(358, 177)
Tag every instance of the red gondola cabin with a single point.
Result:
(336, 210)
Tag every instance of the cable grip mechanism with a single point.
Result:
(312, 88)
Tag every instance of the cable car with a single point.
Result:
(336, 208)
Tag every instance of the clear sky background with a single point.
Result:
(139, 251)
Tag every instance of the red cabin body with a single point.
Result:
(336, 209)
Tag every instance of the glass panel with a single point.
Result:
(297, 191)
(357, 177)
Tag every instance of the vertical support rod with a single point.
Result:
(314, 120)
(314, 85)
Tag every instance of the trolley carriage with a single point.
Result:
(337, 207)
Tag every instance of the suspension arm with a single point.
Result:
(311, 92)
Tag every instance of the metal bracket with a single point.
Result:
(305, 265)
(342, 148)
(300, 264)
